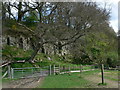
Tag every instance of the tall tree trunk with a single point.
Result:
(102, 73)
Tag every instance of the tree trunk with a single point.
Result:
(19, 12)
(35, 52)
(102, 73)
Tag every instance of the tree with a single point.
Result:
(60, 24)
(99, 51)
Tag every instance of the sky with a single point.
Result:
(113, 4)
(114, 15)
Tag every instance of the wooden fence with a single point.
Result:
(44, 71)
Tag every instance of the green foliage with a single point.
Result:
(9, 52)
(95, 51)
(83, 60)
(96, 47)
(21, 65)
(112, 59)
(16, 65)
(21, 58)
(10, 23)
(99, 46)
(14, 53)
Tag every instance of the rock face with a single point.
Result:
(20, 42)
(25, 44)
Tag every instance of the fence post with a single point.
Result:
(69, 68)
(41, 71)
(12, 73)
(63, 68)
(93, 67)
(22, 71)
(9, 71)
(32, 70)
(50, 70)
(54, 69)
(81, 68)
(59, 69)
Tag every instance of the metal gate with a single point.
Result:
(29, 72)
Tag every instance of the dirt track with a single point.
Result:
(95, 79)
(24, 83)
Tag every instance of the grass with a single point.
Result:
(87, 67)
(102, 83)
(91, 72)
(65, 81)
(74, 80)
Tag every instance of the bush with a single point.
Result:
(112, 60)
